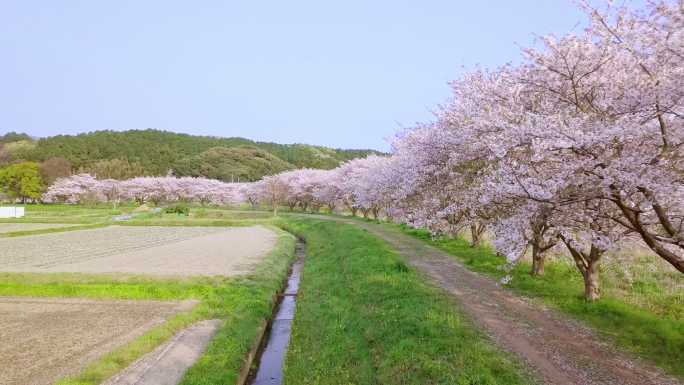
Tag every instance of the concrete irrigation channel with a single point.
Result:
(273, 348)
(167, 364)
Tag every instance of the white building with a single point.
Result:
(11, 212)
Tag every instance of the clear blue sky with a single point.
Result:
(343, 74)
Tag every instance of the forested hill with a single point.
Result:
(155, 152)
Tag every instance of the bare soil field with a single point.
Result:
(166, 251)
(12, 227)
(46, 339)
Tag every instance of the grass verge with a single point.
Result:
(105, 286)
(365, 317)
(655, 334)
(248, 305)
(52, 230)
(64, 213)
(182, 221)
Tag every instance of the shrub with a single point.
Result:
(179, 209)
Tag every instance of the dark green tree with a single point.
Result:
(231, 164)
(22, 181)
(158, 151)
(54, 168)
(115, 169)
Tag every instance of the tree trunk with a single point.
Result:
(353, 211)
(537, 261)
(588, 265)
(476, 231)
(539, 227)
(591, 282)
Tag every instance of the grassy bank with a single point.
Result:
(51, 230)
(365, 317)
(242, 302)
(63, 213)
(244, 306)
(102, 213)
(105, 286)
(645, 318)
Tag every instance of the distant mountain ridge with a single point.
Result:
(157, 152)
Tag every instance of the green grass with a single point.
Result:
(242, 302)
(244, 307)
(63, 213)
(102, 213)
(173, 220)
(202, 216)
(654, 330)
(51, 230)
(213, 213)
(365, 317)
(87, 217)
(105, 286)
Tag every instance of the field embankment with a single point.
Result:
(365, 317)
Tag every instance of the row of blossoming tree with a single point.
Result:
(579, 147)
(85, 188)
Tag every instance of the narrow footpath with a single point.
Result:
(559, 350)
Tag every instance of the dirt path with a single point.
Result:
(560, 351)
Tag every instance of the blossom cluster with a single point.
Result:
(84, 188)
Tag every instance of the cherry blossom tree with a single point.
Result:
(84, 187)
(110, 189)
(328, 191)
(591, 124)
(579, 147)
(274, 191)
(370, 185)
(73, 189)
